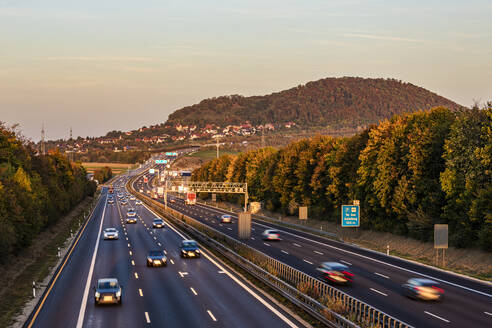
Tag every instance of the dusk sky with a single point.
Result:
(98, 66)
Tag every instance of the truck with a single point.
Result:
(190, 198)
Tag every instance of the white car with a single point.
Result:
(271, 234)
(110, 233)
(131, 213)
(132, 198)
(138, 202)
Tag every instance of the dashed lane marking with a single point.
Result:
(211, 315)
(436, 316)
(377, 291)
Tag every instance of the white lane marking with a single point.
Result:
(488, 313)
(253, 238)
(80, 320)
(297, 245)
(236, 280)
(436, 316)
(381, 275)
(140, 292)
(133, 262)
(136, 275)
(193, 291)
(182, 274)
(128, 244)
(147, 317)
(266, 244)
(253, 229)
(229, 228)
(130, 253)
(159, 244)
(347, 263)
(211, 315)
(126, 238)
(318, 253)
(307, 261)
(165, 252)
(155, 237)
(284, 252)
(171, 260)
(377, 291)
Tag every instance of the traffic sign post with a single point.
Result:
(440, 241)
(350, 216)
(303, 213)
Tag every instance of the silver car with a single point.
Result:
(110, 233)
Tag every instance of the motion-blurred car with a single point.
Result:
(131, 212)
(108, 290)
(156, 258)
(110, 201)
(124, 202)
(172, 200)
(132, 198)
(138, 202)
(423, 289)
(270, 234)
(189, 248)
(226, 218)
(335, 272)
(158, 223)
(110, 233)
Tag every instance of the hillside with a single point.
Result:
(346, 102)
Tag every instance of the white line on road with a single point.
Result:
(140, 292)
(133, 262)
(348, 263)
(194, 292)
(297, 245)
(136, 275)
(147, 317)
(211, 315)
(171, 260)
(182, 274)
(128, 244)
(488, 313)
(381, 275)
(377, 291)
(80, 320)
(130, 252)
(165, 252)
(159, 244)
(266, 244)
(253, 238)
(284, 252)
(436, 316)
(318, 253)
(307, 261)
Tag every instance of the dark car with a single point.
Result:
(158, 223)
(423, 289)
(335, 272)
(108, 290)
(189, 248)
(156, 258)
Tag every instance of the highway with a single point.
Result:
(378, 278)
(186, 293)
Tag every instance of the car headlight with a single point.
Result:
(97, 295)
(118, 293)
(198, 251)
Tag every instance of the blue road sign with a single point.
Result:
(160, 161)
(350, 216)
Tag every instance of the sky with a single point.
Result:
(98, 66)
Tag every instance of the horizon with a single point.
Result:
(96, 69)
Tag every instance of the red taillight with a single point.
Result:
(438, 289)
(348, 273)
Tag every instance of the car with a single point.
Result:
(108, 290)
(110, 233)
(158, 223)
(124, 202)
(131, 212)
(131, 219)
(110, 201)
(132, 198)
(156, 258)
(226, 218)
(138, 202)
(271, 234)
(423, 289)
(189, 248)
(335, 272)
(172, 200)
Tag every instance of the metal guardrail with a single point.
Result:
(299, 285)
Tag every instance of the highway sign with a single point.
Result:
(303, 213)
(441, 236)
(350, 216)
(244, 225)
(151, 171)
(160, 161)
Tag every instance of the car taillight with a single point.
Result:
(438, 289)
(348, 273)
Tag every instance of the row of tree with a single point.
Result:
(409, 173)
(35, 191)
(103, 174)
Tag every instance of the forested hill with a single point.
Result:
(35, 191)
(346, 102)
